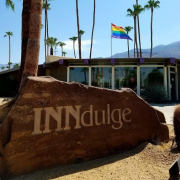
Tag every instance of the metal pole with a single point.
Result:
(111, 40)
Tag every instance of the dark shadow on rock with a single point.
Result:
(175, 150)
(74, 168)
(174, 178)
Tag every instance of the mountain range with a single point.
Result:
(170, 50)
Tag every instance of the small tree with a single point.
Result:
(152, 4)
(52, 42)
(61, 44)
(9, 63)
(2, 68)
(64, 53)
(16, 66)
(128, 29)
(9, 34)
(74, 38)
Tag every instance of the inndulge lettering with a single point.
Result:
(117, 123)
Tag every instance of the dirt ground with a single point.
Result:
(146, 162)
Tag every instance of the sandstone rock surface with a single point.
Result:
(55, 123)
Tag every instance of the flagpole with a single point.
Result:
(111, 40)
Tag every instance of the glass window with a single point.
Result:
(101, 77)
(126, 77)
(150, 76)
(79, 74)
(172, 69)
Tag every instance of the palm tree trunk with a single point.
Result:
(9, 50)
(25, 34)
(93, 28)
(74, 49)
(47, 34)
(139, 36)
(45, 38)
(128, 48)
(77, 14)
(33, 43)
(80, 45)
(151, 32)
(136, 38)
(51, 51)
(134, 35)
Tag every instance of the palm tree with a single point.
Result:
(64, 53)
(92, 29)
(139, 9)
(16, 65)
(152, 4)
(46, 7)
(2, 68)
(52, 42)
(55, 46)
(133, 14)
(9, 65)
(74, 38)
(31, 30)
(61, 44)
(77, 15)
(84, 70)
(25, 34)
(9, 34)
(10, 4)
(128, 29)
(81, 32)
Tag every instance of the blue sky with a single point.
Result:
(62, 25)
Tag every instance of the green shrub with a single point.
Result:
(156, 93)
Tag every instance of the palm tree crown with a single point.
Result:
(9, 33)
(46, 6)
(137, 9)
(74, 38)
(81, 32)
(128, 29)
(10, 4)
(52, 42)
(152, 4)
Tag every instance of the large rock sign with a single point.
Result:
(54, 123)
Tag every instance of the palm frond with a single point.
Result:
(10, 4)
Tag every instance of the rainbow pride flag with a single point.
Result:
(119, 32)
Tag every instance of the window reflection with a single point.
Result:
(150, 76)
(101, 77)
(126, 77)
(79, 74)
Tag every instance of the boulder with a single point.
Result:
(176, 124)
(56, 123)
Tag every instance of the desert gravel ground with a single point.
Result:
(146, 162)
